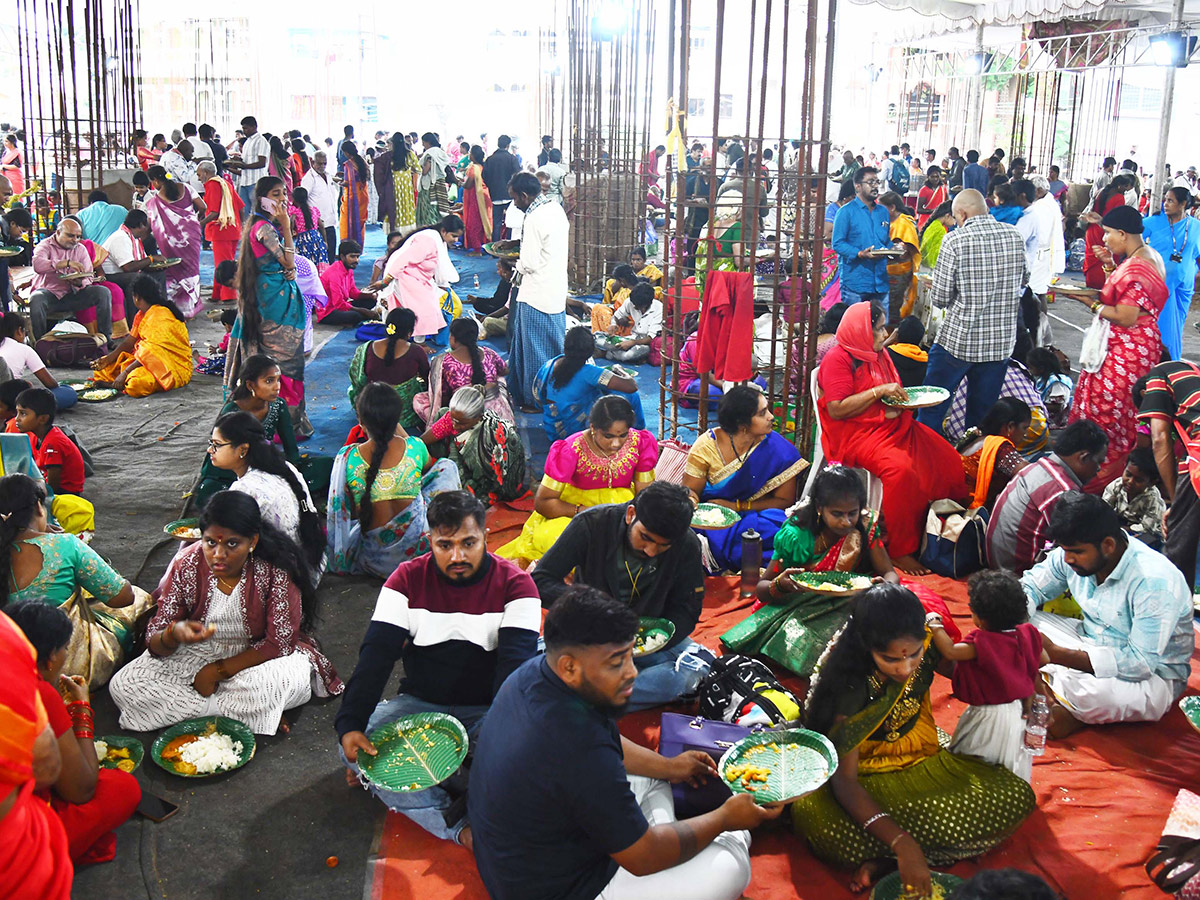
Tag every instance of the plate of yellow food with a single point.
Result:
(775, 766)
(891, 887)
(98, 394)
(116, 751)
(183, 529)
(208, 745)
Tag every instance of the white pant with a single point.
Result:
(1100, 701)
(721, 871)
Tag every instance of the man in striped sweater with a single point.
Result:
(461, 620)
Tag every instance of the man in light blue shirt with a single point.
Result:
(100, 219)
(858, 228)
(1129, 658)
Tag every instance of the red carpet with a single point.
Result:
(1103, 797)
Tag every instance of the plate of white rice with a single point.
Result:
(199, 748)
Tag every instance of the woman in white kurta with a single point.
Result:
(420, 271)
(231, 633)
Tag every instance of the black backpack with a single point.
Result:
(732, 682)
(899, 176)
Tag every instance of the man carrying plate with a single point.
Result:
(646, 555)
(563, 807)
(461, 620)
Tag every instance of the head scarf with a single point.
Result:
(856, 337)
(1123, 218)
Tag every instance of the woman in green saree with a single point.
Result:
(487, 449)
(396, 360)
(897, 799)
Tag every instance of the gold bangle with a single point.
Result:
(896, 840)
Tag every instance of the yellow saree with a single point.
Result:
(163, 349)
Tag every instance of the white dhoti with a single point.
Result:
(721, 871)
(1100, 701)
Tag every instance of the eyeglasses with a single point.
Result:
(871, 181)
(217, 445)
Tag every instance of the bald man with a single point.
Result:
(980, 275)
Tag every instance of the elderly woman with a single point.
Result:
(231, 636)
(174, 218)
(222, 222)
(916, 465)
(746, 466)
(1130, 302)
(486, 447)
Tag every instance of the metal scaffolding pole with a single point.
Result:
(1161, 180)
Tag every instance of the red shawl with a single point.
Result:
(856, 340)
(270, 608)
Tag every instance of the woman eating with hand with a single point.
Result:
(271, 312)
(157, 354)
(231, 634)
(57, 568)
(1130, 301)
(897, 800)
(610, 462)
(915, 464)
(746, 466)
(568, 385)
(90, 801)
(487, 449)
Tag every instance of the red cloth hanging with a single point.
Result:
(726, 334)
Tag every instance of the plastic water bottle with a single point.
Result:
(752, 554)
(1035, 726)
(476, 282)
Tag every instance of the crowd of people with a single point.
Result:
(1085, 497)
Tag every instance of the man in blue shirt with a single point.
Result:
(860, 227)
(100, 219)
(1176, 237)
(975, 176)
(1129, 658)
(562, 807)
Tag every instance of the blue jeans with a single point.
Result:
(423, 807)
(850, 297)
(247, 195)
(984, 382)
(667, 675)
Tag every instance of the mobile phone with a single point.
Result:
(156, 809)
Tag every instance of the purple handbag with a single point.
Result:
(679, 733)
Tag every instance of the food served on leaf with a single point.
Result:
(186, 532)
(205, 754)
(831, 582)
(98, 394)
(650, 642)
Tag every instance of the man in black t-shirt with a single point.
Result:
(1171, 402)
(562, 807)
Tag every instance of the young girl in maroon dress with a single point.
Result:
(995, 671)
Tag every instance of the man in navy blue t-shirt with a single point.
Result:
(562, 807)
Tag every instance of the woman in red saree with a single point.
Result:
(477, 204)
(915, 464)
(34, 864)
(1108, 200)
(1131, 300)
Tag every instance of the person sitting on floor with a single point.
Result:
(1136, 499)
(157, 354)
(643, 269)
(396, 360)
(58, 569)
(347, 304)
(465, 363)
(610, 462)
(646, 555)
(56, 455)
(488, 451)
(1129, 658)
(380, 489)
(594, 818)
(989, 451)
(641, 318)
(460, 620)
(1017, 529)
(747, 466)
(90, 801)
(240, 445)
(1051, 383)
(23, 361)
(257, 392)
(568, 385)
(616, 292)
(231, 636)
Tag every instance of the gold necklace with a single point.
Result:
(904, 709)
(596, 447)
(229, 588)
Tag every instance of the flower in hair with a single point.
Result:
(391, 329)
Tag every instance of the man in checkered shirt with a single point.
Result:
(980, 275)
